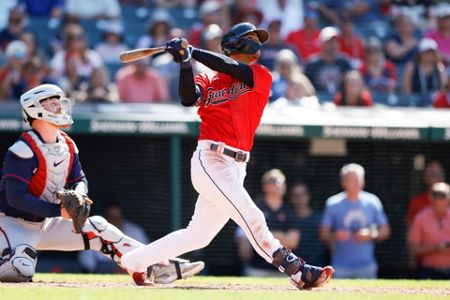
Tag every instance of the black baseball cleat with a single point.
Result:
(309, 276)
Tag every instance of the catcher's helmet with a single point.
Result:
(32, 108)
(233, 40)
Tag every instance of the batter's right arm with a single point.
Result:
(187, 89)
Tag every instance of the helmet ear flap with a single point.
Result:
(230, 43)
(26, 117)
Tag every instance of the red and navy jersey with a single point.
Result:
(18, 185)
(230, 110)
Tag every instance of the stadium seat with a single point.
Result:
(113, 68)
(324, 97)
(43, 31)
(134, 24)
(182, 20)
(385, 99)
(91, 31)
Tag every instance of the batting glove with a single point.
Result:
(180, 49)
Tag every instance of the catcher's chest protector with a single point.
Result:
(55, 162)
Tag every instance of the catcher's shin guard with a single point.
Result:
(19, 264)
(114, 242)
(302, 275)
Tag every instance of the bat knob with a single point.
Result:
(184, 43)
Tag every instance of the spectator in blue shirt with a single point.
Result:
(44, 8)
(362, 12)
(310, 246)
(352, 222)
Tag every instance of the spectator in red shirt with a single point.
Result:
(351, 44)
(429, 235)
(306, 40)
(442, 99)
(353, 92)
(433, 173)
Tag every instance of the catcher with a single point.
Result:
(44, 203)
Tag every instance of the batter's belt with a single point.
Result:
(239, 156)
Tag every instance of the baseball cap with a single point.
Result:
(160, 15)
(440, 190)
(328, 33)
(426, 44)
(210, 6)
(16, 49)
(114, 27)
(273, 176)
(442, 10)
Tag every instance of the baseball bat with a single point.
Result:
(136, 54)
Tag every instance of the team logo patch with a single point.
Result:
(216, 97)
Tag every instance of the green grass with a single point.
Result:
(81, 287)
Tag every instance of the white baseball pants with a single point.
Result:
(219, 180)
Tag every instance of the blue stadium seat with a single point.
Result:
(91, 31)
(386, 99)
(43, 32)
(181, 19)
(134, 24)
(379, 29)
(324, 97)
(113, 68)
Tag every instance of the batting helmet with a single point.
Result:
(233, 40)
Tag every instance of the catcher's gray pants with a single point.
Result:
(219, 180)
(50, 234)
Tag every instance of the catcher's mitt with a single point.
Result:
(77, 206)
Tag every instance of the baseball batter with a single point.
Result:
(231, 101)
(43, 161)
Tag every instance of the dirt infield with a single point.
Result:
(236, 287)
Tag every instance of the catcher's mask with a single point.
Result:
(46, 102)
(234, 41)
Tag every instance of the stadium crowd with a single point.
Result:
(359, 52)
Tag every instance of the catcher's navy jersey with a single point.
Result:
(16, 200)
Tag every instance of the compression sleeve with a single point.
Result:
(188, 91)
(223, 64)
